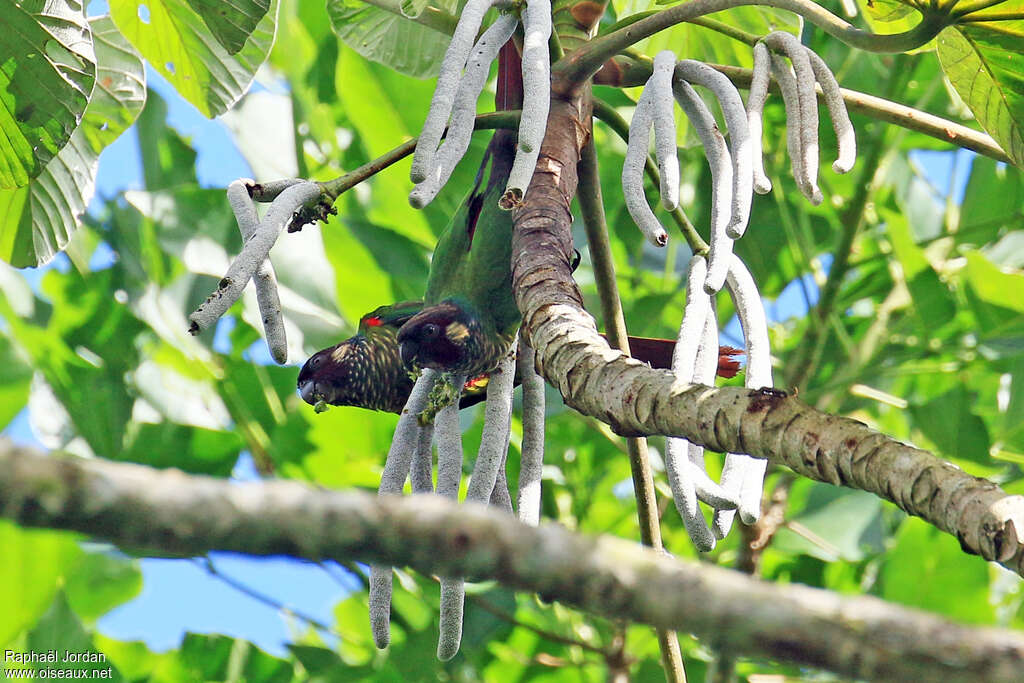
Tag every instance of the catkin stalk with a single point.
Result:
(845, 138)
(254, 252)
(496, 425)
(807, 103)
(448, 78)
(531, 461)
(536, 75)
(265, 279)
(536, 100)
(460, 132)
(396, 469)
(740, 145)
(663, 113)
(677, 460)
(633, 169)
(500, 497)
(721, 181)
(741, 473)
(783, 74)
(449, 476)
(422, 476)
(755, 113)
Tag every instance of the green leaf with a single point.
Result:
(15, 375)
(166, 444)
(78, 357)
(176, 41)
(397, 253)
(709, 45)
(993, 285)
(60, 632)
(992, 202)
(391, 39)
(219, 658)
(136, 662)
(101, 582)
(982, 61)
(950, 424)
(36, 221)
(47, 72)
(887, 11)
(231, 21)
(167, 159)
(32, 567)
(836, 523)
(927, 569)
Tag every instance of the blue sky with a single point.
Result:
(180, 595)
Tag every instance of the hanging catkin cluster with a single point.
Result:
(736, 171)
(410, 457)
(252, 263)
(462, 77)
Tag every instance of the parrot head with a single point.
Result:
(447, 336)
(364, 370)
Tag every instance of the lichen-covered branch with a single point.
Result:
(636, 399)
(139, 507)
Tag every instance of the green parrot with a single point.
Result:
(470, 316)
(366, 370)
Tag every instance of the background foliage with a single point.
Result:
(924, 340)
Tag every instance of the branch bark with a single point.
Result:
(638, 400)
(140, 507)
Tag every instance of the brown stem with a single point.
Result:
(592, 208)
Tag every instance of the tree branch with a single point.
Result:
(638, 400)
(584, 62)
(140, 507)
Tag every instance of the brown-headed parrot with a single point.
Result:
(366, 370)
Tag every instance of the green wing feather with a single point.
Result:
(472, 262)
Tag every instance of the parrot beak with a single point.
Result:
(409, 349)
(307, 390)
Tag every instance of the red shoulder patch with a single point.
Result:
(373, 321)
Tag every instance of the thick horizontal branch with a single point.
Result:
(636, 399)
(169, 511)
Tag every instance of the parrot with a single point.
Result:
(366, 370)
(470, 316)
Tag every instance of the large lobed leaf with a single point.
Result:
(231, 21)
(391, 39)
(46, 74)
(36, 221)
(180, 45)
(983, 62)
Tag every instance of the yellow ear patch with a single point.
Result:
(456, 332)
(338, 355)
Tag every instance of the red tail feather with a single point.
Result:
(509, 95)
(658, 354)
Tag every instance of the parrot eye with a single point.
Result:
(315, 361)
(430, 330)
